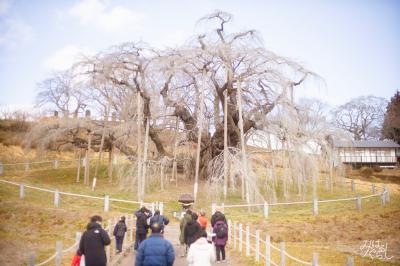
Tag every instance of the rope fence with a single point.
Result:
(57, 197)
(113, 258)
(384, 198)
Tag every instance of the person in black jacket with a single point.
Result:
(92, 243)
(192, 230)
(119, 233)
(141, 226)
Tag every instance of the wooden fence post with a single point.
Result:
(131, 232)
(234, 234)
(106, 203)
(315, 259)
(229, 231)
(55, 164)
(1, 168)
(383, 198)
(94, 181)
(358, 203)
(152, 208)
(108, 248)
(257, 252)
(266, 209)
(247, 240)
(353, 186)
(373, 189)
(223, 207)
(78, 236)
(58, 253)
(240, 237)
(21, 191)
(26, 166)
(31, 259)
(387, 199)
(315, 207)
(161, 207)
(350, 261)
(268, 250)
(213, 208)
(57, 198)
(283, 253)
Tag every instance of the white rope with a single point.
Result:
(70, 248)
(298, 260)
(73, 194)
(48, 260)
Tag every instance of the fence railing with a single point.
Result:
(57, 197)
(57, 257)
(384, 198)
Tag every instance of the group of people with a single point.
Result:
(155, 250)
(198, 250)
(95, 238)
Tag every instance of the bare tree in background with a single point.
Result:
(362, 117)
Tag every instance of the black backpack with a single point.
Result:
(222, 231)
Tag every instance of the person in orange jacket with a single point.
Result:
(76, 261)
(202, 220)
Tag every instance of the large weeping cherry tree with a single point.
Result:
(218, 89)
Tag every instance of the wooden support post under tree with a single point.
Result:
(174, 162)
(162, 174)
(110, 164)
(242, 143)
(139, 145)
(225, 143)
(200, 125)
(146, 147)
(78, 170)
(87, 160)
(101, 146)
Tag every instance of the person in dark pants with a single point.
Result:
(220, 230)
(119, 233)
(155, 251)
(192, 230)
(141, 225)
(92, 243)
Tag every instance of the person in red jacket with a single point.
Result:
(76, 261)
(202, 220)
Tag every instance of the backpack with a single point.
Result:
(222, 231)
(121, 229)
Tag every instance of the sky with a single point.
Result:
(354, 45)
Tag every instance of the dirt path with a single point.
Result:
(172, 234)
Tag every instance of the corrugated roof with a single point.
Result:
(366, 144)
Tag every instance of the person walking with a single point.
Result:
(186, 218)
(192, 230)
(221, 237)
(201, 253)
(119, 233)
(93, 241)
(160, 219)
(202, 220)
(155, 251)
(141, 225)
(217, 216)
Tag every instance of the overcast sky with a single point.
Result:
(353, 45)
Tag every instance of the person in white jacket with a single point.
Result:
(201, 253)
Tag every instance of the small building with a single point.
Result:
(368, 152)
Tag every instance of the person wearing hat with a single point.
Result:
(93, 241)
(155, 250)
(119, 233)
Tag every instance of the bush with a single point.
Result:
(377, 169)
(366, 172)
